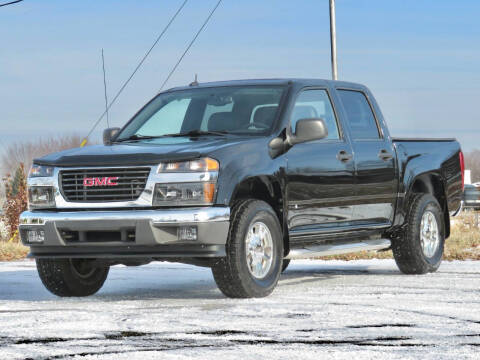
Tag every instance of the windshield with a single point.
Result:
(230, 109)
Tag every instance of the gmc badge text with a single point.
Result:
(242, 177)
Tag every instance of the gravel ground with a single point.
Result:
(360, 309)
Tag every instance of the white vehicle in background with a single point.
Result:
(471, 196)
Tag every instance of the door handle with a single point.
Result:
(343, 156)
(385, 155)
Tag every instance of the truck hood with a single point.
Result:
(147, 152)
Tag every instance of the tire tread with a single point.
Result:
(406, 251)
(56, 275)
(228, 278)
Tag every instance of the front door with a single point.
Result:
(320, 173)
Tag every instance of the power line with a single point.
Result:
(84, 141)
(10, 3)
(191, 43)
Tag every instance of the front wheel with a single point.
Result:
(420, 250)
(254, 252)
(71, 277)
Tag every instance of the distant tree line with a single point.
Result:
(24, 152)
(15, 162)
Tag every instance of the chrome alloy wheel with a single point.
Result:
(259, 250)
(429, 234)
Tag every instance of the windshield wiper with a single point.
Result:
(137, 137)
(198, 133)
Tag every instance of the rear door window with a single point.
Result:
(360, 116)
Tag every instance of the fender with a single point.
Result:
(429, 172)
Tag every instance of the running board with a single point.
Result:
(338, 248)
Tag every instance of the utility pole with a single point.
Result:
(333, 40)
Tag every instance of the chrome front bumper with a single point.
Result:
(151, 233)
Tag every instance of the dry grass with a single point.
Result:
(12, 251)
(463, 243)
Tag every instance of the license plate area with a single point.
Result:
(98, 236)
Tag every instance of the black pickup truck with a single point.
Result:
(242, 177)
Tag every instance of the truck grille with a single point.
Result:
(99, 185)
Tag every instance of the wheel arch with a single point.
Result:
(432, 183)
(268, 189)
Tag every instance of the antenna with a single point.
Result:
(84, 141)
(105, 88)
(195, 82)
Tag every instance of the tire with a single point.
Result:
(71, 277)
(409, 254)
(285, 264)
(232, 273)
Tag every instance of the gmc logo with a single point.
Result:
(105, 181)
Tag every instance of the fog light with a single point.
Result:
(35, 236)
(187, 233)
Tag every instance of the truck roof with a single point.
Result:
(281, 81)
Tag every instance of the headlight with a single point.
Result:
(199, 165)
(40, 171)
(199, 193)
(190, 191)
(41, 197)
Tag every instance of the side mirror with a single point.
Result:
(109, 134)
(308, 130)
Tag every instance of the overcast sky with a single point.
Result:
(420, 58)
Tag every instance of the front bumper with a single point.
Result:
(126, 233)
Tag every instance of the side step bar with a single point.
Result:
(338, 248)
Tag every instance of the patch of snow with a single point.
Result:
(359, 309)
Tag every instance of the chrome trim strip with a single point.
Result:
(342, 199)
(352, 228)
(340, 248)
(144, 200)
(167, 216)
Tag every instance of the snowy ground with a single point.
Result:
(342, 310)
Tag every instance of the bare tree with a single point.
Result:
(25, 152)
(472, 162)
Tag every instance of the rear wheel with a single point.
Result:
(420, 250)
(254, 252)
(71, 277)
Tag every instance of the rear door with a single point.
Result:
(320, 174)
(375, 174)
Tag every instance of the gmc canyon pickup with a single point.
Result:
(242, 177)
